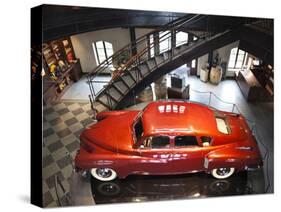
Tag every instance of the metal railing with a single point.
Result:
(124, 59)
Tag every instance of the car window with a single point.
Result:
(222, 125)
(138, 129)
(157, 142)
(185, 141)
(206, 140)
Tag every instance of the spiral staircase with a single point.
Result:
(139, 63)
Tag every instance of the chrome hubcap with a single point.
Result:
(104, 172)
(223, 171)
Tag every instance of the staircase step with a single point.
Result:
(135, 73)
(128, 79)
(151, 63)
(121, 86)
(114, 93)
(167, 55)
(144, 69)
(177, 50)
(106, 100)
(159, 59)
(183, 47)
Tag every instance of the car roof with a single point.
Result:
(178, 117)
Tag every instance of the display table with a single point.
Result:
(251, 88)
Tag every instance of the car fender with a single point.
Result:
(224, 158)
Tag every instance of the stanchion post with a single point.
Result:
(210, 96)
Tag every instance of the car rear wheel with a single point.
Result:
(103, 174)
(222, 173)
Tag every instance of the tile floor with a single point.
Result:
(63, 122)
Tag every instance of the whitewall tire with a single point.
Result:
(222, 173)
(103, 174)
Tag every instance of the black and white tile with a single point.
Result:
(63, 123)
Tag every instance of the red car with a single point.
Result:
(167, 137)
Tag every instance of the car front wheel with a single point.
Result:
(222, 173)
(103, 174)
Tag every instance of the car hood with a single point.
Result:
(114, 132)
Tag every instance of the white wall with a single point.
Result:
(140, 32)
(224, 54)
(82, 44)
(119, 37)
(201, 62)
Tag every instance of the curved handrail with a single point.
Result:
(135, 59)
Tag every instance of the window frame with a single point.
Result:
(141, 142)
(189, 146)
(225, 119)
(104, 50)
(234, 67)
(166, 36)
(180, 42)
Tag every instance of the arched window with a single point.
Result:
(181, 38)
(103, 50)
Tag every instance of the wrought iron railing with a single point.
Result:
(124, 59)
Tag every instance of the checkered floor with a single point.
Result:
(63, 123)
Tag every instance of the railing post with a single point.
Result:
(156, 43)
(210, 96)
(173, 41)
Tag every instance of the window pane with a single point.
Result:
(99, 44)
(164, 40)
(222, 125)
(193, 63)
(108, 45)
(240, 59)
(151, 40)
(181, 38)
(160, 142)
(95, 53)
(185, 141)
(109, 49)
(109, 52)
(101, 52)
(138, 129)
(232, 57)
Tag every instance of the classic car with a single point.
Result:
(165, 138)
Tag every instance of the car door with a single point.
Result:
(187, 154)
(155, 155)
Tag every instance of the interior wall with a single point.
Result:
(201, 62)
(82, 44)
(224, 54)
(140, 32)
